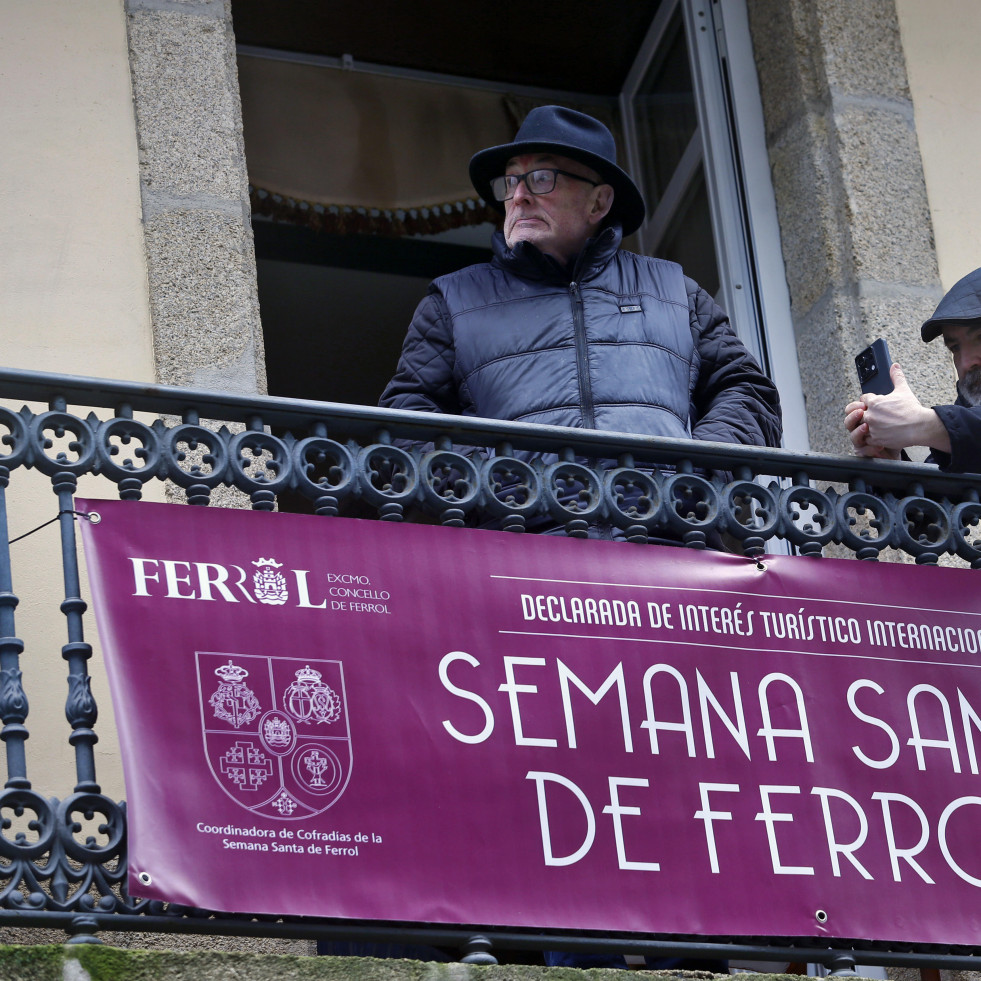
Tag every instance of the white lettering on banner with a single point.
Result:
(669, 712)
(175, 581)
(514, 689)
(246, 846)
(142, 576)
(736, 729)
(368, 608)
(923, 636)
(313, 834)
(659, 615)
(797, 626)
(178, 580)
(918, 742)
(366, 594)
(668, 709)
(708, 816)
(734, 620)
(335, 592)
(770, 815)
(969, 718)
(886, 834)
(949, 810)
(615, 678)
(614, 808)
(768, 731)
(770, 818)
(679, 700)
(895, 852)
(444, 665)
(323, 843)
(651, 724)
(835, 847)
(578, 609)
(550, 858)
(231, 829)
(216, 575)
(714, 619)
(883, 764)
(617, 809)
(303, 591)
(210, 581)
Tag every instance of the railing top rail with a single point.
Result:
(359, 420)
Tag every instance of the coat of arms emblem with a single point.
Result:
(232, 700)
(268, 583)
(275, 731)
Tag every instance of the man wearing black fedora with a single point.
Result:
(563, 327)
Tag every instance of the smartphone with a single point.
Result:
(873, 366)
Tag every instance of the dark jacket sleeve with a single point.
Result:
(733, 401)
(424, 378)
(963, 425)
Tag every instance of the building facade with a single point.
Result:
(129, 251)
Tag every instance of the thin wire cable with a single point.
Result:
(78, 514)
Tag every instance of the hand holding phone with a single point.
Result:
(873, 366)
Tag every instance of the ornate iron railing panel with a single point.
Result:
(63, 862)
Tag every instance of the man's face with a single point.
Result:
(964, 343)
(560, 222)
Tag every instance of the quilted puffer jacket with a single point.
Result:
(623, 342)
(961, 305)
(963, 424)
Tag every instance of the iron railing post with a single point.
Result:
(13, 700)
(80, 707)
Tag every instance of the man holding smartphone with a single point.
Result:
(884, 425)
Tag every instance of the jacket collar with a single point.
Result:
(528, 262)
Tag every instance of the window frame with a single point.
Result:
(729, 143)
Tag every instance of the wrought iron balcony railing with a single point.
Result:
(330, 459)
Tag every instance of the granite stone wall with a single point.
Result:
(196, 215)
(851, 198)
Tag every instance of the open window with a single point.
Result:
(358, 131)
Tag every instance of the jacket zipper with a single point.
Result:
(582, 363)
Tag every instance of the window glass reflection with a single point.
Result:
(665, 112)
(688, 238)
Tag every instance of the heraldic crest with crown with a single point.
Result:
(275, 731)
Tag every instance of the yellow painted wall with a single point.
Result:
(73, 298)
(940, 40)
(73, 275)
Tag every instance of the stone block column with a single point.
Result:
(194, 186)
(851, 198)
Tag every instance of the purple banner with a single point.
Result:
(332, 717)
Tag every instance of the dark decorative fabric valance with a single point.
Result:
(347, 151)
(345, 220)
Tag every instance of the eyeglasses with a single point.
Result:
(537, 182)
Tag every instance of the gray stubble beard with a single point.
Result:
(970, 386)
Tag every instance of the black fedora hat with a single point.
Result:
(555, 129)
